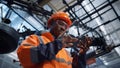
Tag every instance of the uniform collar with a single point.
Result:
(48, 35)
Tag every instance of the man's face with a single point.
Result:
(58, 28)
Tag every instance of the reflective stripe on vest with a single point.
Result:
(63, 61)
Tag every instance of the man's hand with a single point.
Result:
(84, 44)
(68, 41)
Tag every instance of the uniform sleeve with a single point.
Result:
(79, 61)
(48, 51)
(31, 51)
(23, 51)
(82, 60)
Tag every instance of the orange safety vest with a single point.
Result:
(63, 60)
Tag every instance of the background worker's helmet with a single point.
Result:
(59, 16)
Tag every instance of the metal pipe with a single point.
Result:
(112, 32)
(8, 14)
(73, 11)
(101, 25)
(100, 9)
(95, 9)
(23, 18)
(72, 6)
(113, 9)
(38, 21)
(95, 54)
(86, 11)
(98, 16)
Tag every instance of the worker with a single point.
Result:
(47, 49)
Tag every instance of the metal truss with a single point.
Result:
(33, 9)
(81, 23)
